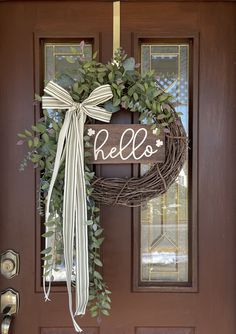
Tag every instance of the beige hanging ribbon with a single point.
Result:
(70, 145)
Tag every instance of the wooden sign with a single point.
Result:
(124, 143)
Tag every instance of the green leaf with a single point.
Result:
(95, 55)
(89, 222)
(110, 107)
(101, 69)
(141, 87)
(106, 305)
(30, 143)
(161, 116)
(129, 64)
(105, 312)
(100, 78)
(116, 102)
(47, 234)
(70, 59)
(28, 133)
(98, 262)
(35, 158)
(46, 251)
(46, 266)
(37, 97)
(21, 135)
(81, 70)
(97, 275)
(47, 257)
(47, 273)
(45, 137)
(94, 314)
(34, 128)
(148, 103)
(159, 108)
(45, 112)
(100, 241)
(87, 64)
(49, 223)
(73, 50)
(36, 141)
(111, 76)
(55, 126)
(154, 106)
(41, 127)
(98, 232)
(41, 164)
(135, 96)
(163, 97)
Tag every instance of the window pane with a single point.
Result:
(59, 60)
(164, 220)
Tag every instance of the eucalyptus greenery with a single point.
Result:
(131, 91)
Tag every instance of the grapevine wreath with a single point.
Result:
(132, 92)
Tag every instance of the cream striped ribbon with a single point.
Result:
(70, 145)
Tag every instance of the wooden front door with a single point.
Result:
(171, 264)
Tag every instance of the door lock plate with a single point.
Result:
(10, 264)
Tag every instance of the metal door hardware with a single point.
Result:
(10, 264)
(9, 303)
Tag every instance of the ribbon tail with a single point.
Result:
(59, 157)
(69, 213)
(74, 222)
(82, 268)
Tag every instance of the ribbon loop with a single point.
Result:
(70, 144)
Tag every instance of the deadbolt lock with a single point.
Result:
(10, 264)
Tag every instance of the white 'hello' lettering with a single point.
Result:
(132, 143)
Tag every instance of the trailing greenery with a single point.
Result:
(132, 91)
(42, 142)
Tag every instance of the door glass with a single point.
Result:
(60, 59)
(60, 65)
(164, 220)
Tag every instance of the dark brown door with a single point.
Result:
(170, 264)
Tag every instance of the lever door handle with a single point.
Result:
(6, 324)
(9, 307)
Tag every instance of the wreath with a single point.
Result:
(133, 92)
(155, 182)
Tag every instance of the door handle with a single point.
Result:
(9, 308)
(5, 326)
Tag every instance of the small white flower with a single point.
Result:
(159, 143)
(155, 131)
(91, 132)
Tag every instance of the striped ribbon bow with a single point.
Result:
(70, 145)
